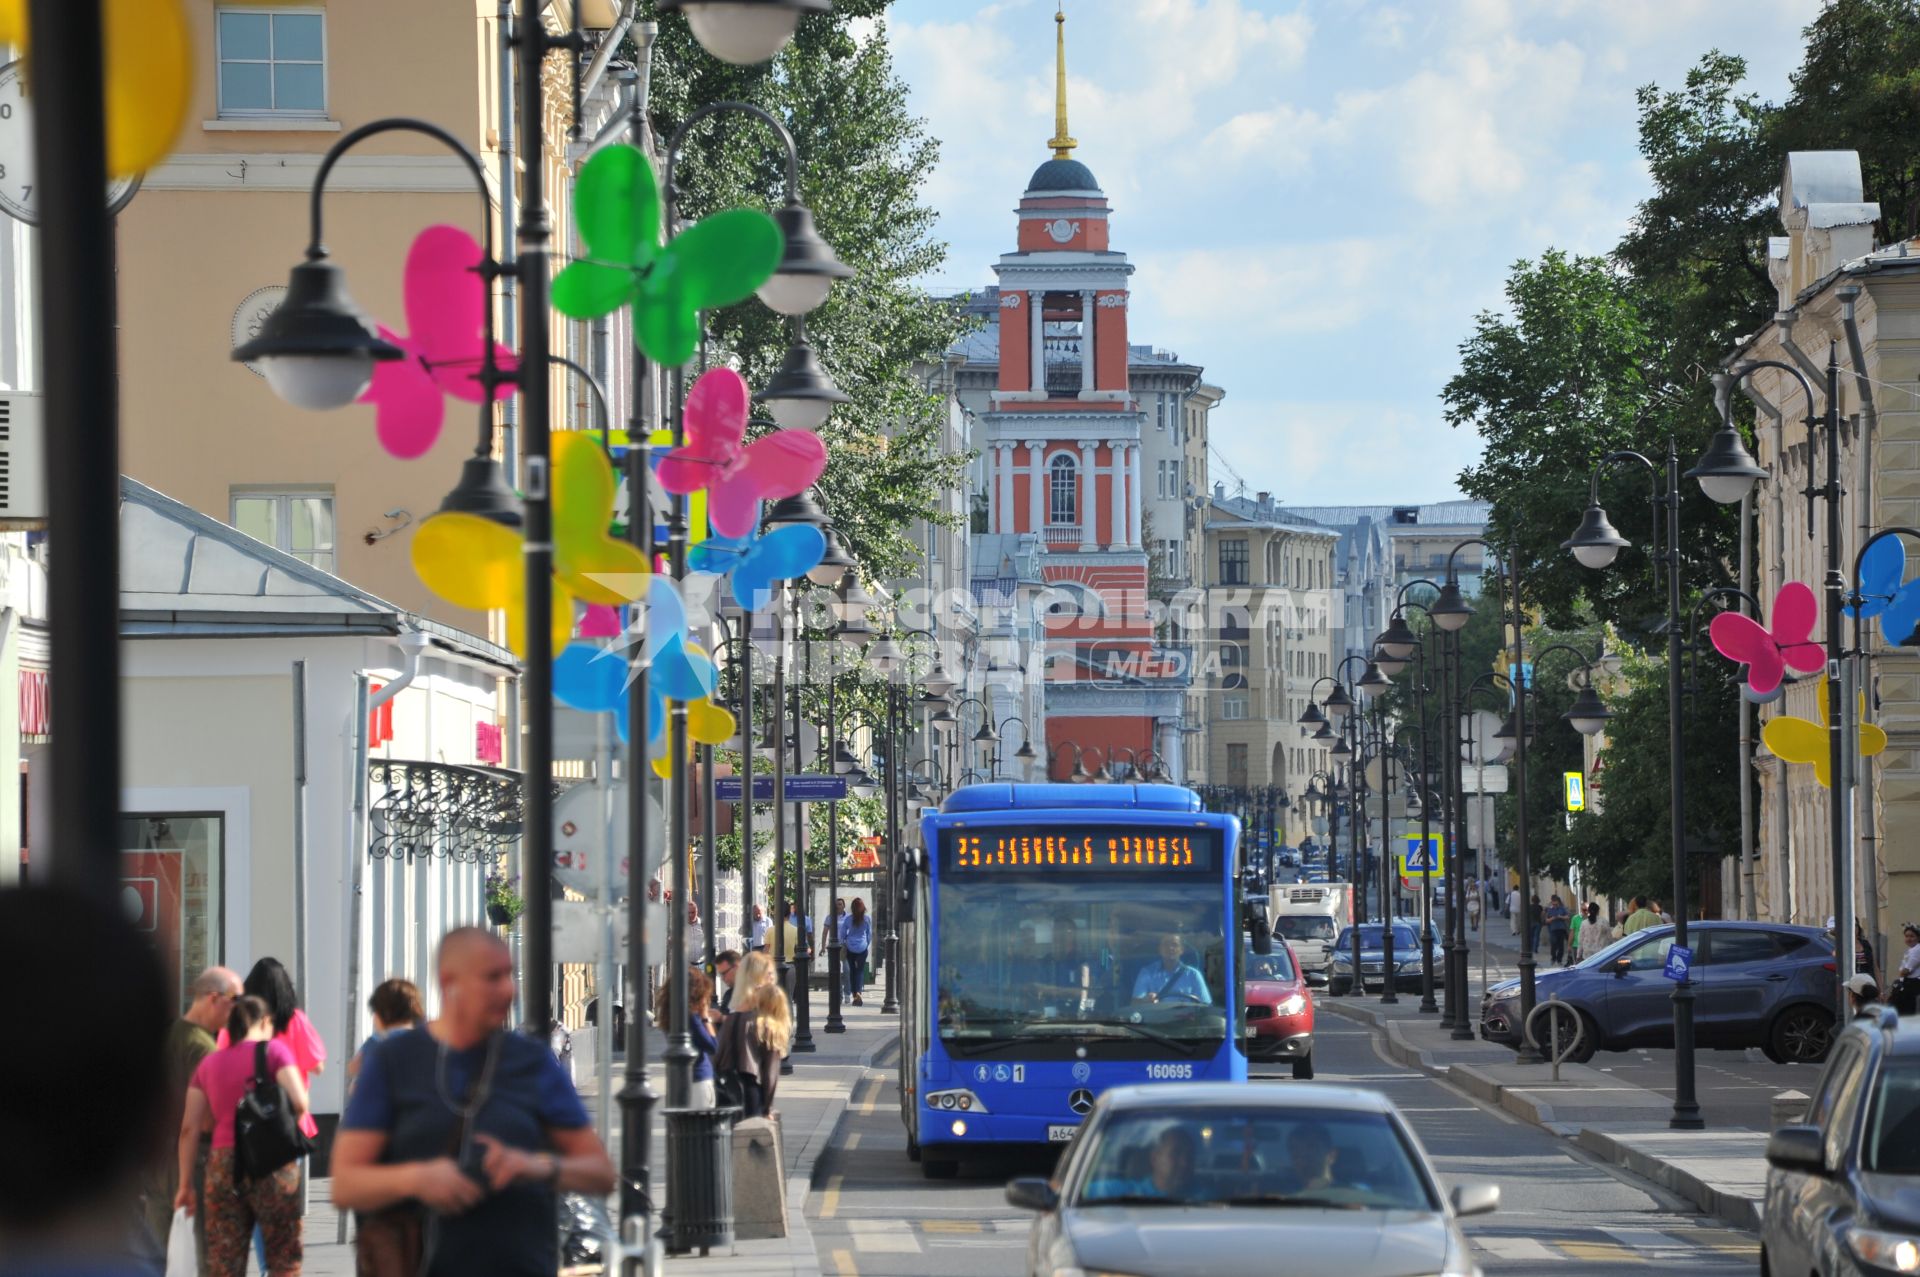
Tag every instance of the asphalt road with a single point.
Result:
(1734, 1088)
(873, 1215)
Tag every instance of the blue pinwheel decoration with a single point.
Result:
(1885, 594)
(595, 679)
(752, 564)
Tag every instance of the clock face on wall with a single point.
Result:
(19, 196)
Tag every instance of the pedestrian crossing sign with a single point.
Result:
(1416, 857)
(1576, 791)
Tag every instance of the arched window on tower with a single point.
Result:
(1063, 503)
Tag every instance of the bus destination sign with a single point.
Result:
(1090, 850)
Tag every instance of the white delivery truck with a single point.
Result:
(1310, 916)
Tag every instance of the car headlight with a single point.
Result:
(1895, 1251)
(1340, 961)
(1292, 1004)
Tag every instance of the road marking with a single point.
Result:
(830, 1196)
(1601, 1252)
(951, 1226)
(1643, 1238)
(1515, 1248)
(1461, 1108)
(872, 1103)
(843, 1264)
(853, 1142)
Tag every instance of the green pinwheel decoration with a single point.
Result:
(717, 261)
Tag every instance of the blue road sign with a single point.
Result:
(800, 789)
(1679, 962)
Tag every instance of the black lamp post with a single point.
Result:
(1393, 649)
(1726, 473)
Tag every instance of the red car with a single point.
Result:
(1279, 1009)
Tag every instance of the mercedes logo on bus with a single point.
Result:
(1081, 1101)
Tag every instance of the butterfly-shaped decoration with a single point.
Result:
(595, 679)
(1799, 740)
(752, 564)
(717, 261)
(446, 303)
(1885, 593)
(1769, 653)
(476, 563)
(737, 475)
(148, 69)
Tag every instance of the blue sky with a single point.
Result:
(1318, 197)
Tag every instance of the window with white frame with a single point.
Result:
(1063, 503)
(1233, 706)
(298, 521)
(272, 61)
(1173, 478)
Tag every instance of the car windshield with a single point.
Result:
(1304, 926)
(1370, 938)
(1279, 1157)
(1109, 956)
(1893, 1131)
(1268, 966)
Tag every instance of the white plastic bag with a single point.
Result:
(182, 1259)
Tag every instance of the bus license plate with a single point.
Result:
(1060, 1134)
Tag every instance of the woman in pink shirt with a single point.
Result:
(270, 982)
(233, 1206)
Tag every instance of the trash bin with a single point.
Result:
(699, 1212)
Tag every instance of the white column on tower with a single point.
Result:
(1003, 502)
(1136, 497)
(1089, 516)
(990, 463)
(1037, 486)
(1086, 339)
(1037, 320)
(1117, 470)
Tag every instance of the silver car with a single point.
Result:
(1217, 1178)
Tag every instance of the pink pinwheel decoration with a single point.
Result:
(1769, 653)
(446, 301)
(737, 475)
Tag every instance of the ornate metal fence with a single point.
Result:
(467, 814)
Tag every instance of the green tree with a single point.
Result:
(864, 159)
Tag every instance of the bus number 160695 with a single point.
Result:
(1160, 1072)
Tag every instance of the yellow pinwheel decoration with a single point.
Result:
(707, 724)
(1799, 740)
(149, 76)
(476, 563)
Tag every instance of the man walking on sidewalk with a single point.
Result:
(1513, 910)
(1640, 919)
(1558, 920)
(189, 1041)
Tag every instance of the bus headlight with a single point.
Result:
(962, 1099)
(959, 1127)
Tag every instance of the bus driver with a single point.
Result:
(1169, 979)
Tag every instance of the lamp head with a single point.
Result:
(1726, 470)
(793, 511)
(1338, 704)
(1588, 714)
(1311, 715)
(807, 267)
(743, 32)
(885, 656)
(833, 564)
(317, 349)
(1372, 681)
(483, 491)
(938, 681)
(1389, 665)
(1596, 542)
(1398, 640)
(1450, 610)
(800, 394)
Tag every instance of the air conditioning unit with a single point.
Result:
(23, 461)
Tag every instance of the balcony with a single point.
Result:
(1060, 534)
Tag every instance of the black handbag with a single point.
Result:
(266, 1133)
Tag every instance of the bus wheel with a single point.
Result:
(913, 1149)
(938, 1168)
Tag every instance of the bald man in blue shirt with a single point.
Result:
(1171, 980)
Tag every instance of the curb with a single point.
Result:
(1728, 1208)
(801, 1250)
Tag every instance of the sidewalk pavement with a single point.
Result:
(810, 1102)
(1721, 1172)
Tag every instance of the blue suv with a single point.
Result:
(1755, 984)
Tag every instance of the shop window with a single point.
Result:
(172, 883)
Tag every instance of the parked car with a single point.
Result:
(1213, 1177)
(1373, 958)
(1843, 1188)
(1755, 984)
(1279, 1009)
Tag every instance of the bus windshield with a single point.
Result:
(1119, 954)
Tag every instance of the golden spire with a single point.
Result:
(1061, 143)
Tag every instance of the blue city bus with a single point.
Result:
(1057, 940)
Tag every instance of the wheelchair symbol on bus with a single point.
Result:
(1001, 1073)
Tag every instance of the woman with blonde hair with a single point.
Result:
(754, 1038)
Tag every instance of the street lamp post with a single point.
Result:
(1726, 473)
